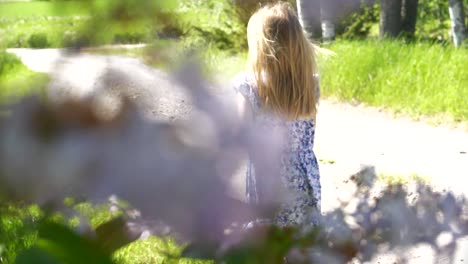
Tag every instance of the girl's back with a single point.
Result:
(280, 91)
(299, 170)
(301, 130)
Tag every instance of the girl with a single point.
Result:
(280, 88)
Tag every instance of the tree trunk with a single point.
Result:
(328, 18)
(457, 16)
(309, 15)
(390, 18)
(409, 17)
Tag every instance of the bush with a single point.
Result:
(245, 8)
(38, 41)
(130, 37)
(212, 22)
(360, 23)
(433, 21)
(73, 39)
(7, 62)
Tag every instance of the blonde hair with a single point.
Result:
(283, 62)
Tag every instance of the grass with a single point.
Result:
(39, 32)
(151, 54)
(57, 32)
(51, 24)
(224, 65)
(19, 231)
(52, 20)
(153, 250)
(218, 65)
(42, 8)
(392, 179)
(17, 80)
(40, 24)
(136, 52)
(416, 79)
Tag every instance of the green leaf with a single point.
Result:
(69, 247)
(35, 255)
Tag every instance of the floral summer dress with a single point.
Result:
(299, 168)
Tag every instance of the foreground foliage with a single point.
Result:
(169, 177)
(115, 157)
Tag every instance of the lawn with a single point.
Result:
(16, 79)
(40, 24)
(416, 79)
(42, 8)
(20, 224)
(46, 24)
(420, 80)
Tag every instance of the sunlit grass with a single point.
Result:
(136, 52)
(42, 8)
(58, 32)
(19, 231)
(220, 66)
(57, 24)
(415, 79)
(153, 250)
(223, 66)
(17, 80)
(418, 79)
(393, 179)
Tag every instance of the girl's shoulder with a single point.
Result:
(244, 83)
(243, 79)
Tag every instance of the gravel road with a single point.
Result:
(347, 136)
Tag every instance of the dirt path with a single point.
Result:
(347, 136)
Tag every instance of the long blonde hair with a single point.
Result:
(283, 62)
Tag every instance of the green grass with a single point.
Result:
(392, 179)
(42, 8)
(416, 79)
(153, 250)
(218, 65)
(224, 65)
(17, 229)
(150, 54)
(19, 225)
(57, 31)
(16, 80)
(59, 24)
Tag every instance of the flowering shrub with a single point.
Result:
(174, 174)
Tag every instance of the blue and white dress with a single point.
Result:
(299, 168)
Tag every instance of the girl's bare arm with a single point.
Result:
(243, 108)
